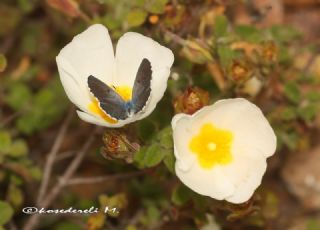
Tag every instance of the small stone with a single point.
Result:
(301, 173)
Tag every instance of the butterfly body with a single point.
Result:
(113, 104)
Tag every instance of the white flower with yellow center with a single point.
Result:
(221, 150)
(91, 54)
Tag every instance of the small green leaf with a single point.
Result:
(3, 62)
(18, 148)
(19, 95)
(153, 156)
(292, 92)
(160, 147)
(220, 26)
(156, 6)
(165, 137)
(5, 141)
(313, 224)
(289, 113)
(314, 96)
(10, 17)
(308, 113)
(15, 196)
(284, 33)
(136, 17)
(226, 55)
(153, 213)
(6, 212)
(180, 195)
(169, 161)
(36, 173)
(68, 226)
(249, 33)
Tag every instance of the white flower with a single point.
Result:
(221, 150)
(91, 53)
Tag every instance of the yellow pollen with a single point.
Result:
(212, 146)
(124, 91)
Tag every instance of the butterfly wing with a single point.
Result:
(109, 100)
(141, 88)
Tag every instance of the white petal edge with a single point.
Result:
(246, 173)
(75, 90)
(245, 190)
(91, 53)
(209, 182)
(131, 49)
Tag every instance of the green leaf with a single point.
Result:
(10, 17)
(308, 113)
(284, 33)
(19, 95)
(165, 137)
(313, 96)
(36, 173)
(249, 33)
(6, 212)
(18, 148)
(15, 195)
(226, 55)
(3, 62)
(220, 26)
(289, 113)
(313, 224)
(153, 213)
(284, 56)
(5, 141)
(160, 147)
(180, 195)
(44, 108)
(169, 162)
(292, 92)
(136, 17)
(153, 156)
(289, 139)
(68, 226)
(156, 6)
(26, 5)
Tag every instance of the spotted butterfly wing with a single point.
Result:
(141, 88)
(109, 100)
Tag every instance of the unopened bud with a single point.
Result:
(191, 100)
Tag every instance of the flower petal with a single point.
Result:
(245, 190)
(246, 173)
(211, 182)
(181, 131)
(75, 90)
(131, 49)
(90, 53)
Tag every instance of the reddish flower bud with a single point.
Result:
(191, 100)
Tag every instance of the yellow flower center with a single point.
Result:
(212, 146)
(124, 91)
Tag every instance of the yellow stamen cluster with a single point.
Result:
(212, 146)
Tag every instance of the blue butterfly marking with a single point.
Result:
(113, 104)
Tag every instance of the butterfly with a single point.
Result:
(113, 104)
